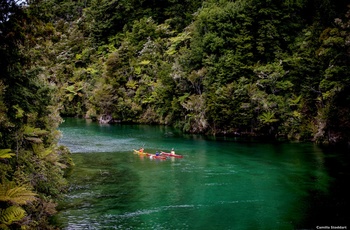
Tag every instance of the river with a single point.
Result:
(220, 183)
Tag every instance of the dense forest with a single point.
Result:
(271, 68)
(262, 68)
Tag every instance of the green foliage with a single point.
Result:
(195, 120)
(11, 198)
(176, 42)
(228, 70)
(29, 115)
(278, 68)
(10, 215)
(272, 78)
(104, 98)
(6, 153)
(16, 195)
(268, 118)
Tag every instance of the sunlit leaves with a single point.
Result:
(19, 111)
(175, 42)
(267, 117)
(17, 195)
(145, 62)
(12, 197)
(73, 90)
(10, 215)
(6, 153)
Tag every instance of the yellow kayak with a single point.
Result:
(138, 152)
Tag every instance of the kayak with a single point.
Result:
(140, 153)
(154, 156)
(171, 155)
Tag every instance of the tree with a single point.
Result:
(28, 125)
(333, 119)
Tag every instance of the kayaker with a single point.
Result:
(141, 150)
(172, 152)
(157, 153)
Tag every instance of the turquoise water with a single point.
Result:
(221, 183)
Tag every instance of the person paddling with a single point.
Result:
(172, 152)
(141, 150)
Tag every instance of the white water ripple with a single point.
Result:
(170, 207)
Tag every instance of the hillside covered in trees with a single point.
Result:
(244, 67)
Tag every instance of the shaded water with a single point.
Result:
(219, 184)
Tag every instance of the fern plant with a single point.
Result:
(6, 153)
(268, 117)
(13, 197)
(13, 194)
(10, 215)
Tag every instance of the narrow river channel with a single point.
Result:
(220, 183)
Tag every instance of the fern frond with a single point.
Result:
(268, 117)
(6, 153)
(4, 226)
(13, 194)
(295, 100)
(46, 152)
(33, 132)
(11, 214)
(41, 151)
(61, 165)
(34, 140)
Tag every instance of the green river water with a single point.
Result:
(221, 183)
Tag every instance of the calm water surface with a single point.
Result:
(219, 184)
